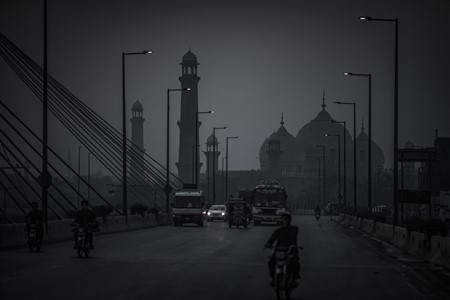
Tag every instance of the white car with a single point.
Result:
(216, 212)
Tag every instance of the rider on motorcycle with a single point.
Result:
(317, 210)
(285, 236)
(35, 217)
(85, 217)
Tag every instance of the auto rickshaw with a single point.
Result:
(238, 213)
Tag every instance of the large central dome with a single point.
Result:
(313, 134)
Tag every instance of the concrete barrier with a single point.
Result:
(58, 230)
(14, 235)
(437, 252)
(417, 244)
(400, 238)
(446, 253)
(368, 226)
(383, 231)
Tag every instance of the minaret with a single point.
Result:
(209, 158)
(137, 138)
(274, 152)
(188, 130)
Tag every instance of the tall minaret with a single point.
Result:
(274, 152)
(211, 160)
(188, 130)
(137, 138)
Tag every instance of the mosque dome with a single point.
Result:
(290, 157)
(137, 106)
(189, 57)
(210, 140)
(313, 133)
(361, 145)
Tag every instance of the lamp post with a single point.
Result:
(354, 148)
(345, 160)
(339, 163)
(226, 168)
(318, 183)
(214, 161)
(78, 181)
(89, 177)
(222, 189)
(369, 175)
(323, 159)
(395, 221)
(167, 188)
(124, 133)
(196, 143)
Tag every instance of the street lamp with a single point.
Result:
(339, 163)
(369, 175)
(214, 161)
(354, 148)
(222, 189)
(196, 143)
(395, 113)
(124, 133)
(89, 177)
(167, 188)
(226, 168)
(318, 183)
(345, 160)
(78, 182)
(323, 158)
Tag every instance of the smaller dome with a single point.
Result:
(409, 145)
(210, 140)
(137, 106)
(189, 57)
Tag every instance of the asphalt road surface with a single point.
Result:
(215, 262)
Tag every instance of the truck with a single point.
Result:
(188, 207)
(269, 202)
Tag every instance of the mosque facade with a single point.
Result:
(302, 163)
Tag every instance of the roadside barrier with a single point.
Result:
(436, 250)
(14, 235)
(368, 226)
(400, 238)
(416, 244)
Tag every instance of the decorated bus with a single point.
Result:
(269, 202)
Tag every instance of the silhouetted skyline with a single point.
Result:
(257, 60)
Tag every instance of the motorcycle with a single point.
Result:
(283, 279)
(317, 215)
(83, 239)
(34, 242)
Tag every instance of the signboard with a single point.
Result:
(416, 154)
(410, 196)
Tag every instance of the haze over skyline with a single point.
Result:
(257, 60)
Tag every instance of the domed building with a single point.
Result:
(362, 158)
(312, 136)
(298, 161)
(279, 152)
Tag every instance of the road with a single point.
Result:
(215, 262)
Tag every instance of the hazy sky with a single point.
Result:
(257, 60)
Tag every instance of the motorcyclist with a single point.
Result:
(85, 217)
(36, 217)
(317, 210)
(285, 236)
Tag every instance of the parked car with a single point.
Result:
(216, 212)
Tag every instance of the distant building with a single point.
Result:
(137, 138)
